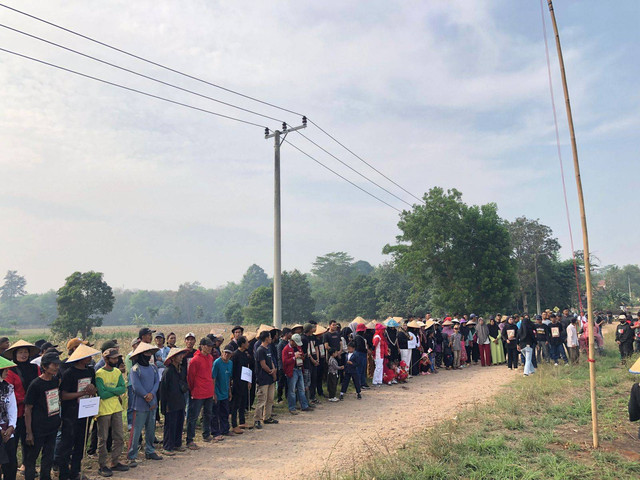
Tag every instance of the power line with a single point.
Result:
(352, 169)
(344, 178)
(192, 77)
(131, 89)
(138, 73)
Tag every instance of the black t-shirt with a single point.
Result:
(44, 396)
(306, 363)
(542, 332)
(262, 377)
(333, 339)
(74, 380)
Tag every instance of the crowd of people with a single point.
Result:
(231, 386)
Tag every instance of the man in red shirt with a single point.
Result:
(201, 388)
(292, 359)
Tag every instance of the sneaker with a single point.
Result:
(334, 399)
(207, 439)
(105, 472)
(293, 412)
(270, 421)
(180, 449)
(238, 431)
(192, 446)
(168, 453)
(308, 409)
(132, 464)
(366, 387)
(258, 425)
(129, 427)
(359, 397)
(152, 456)
(120, 468)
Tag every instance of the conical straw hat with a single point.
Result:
(359, 320)
(33, 350)
(250, 336)
(413, 324)
(83, 351)
(173, 352)
(371, 325)
(398, 319)
(265, 328)
(144, 347)
(635, 368)
(4, 363)
(429, 323)
(320, 330)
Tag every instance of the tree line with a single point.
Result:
(449, 257)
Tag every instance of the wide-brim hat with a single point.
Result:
(361, 327)
(359, 320)
(144, 347)
(429, 323)
(635, 368)
(83, 351)
(265, 328)
(447, 323)
(391, 322)
(4, 363)
(320, 330)
(471, 322)
(371, 325)
(250, 336)
(237, 327)
(173, 352)
(33, 350)
(413, 324)
(398, 319)
(297, 325)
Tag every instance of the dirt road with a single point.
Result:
(335, 435)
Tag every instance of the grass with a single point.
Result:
(538, 428)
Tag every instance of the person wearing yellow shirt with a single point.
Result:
(110, 385)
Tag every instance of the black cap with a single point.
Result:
(145, 331)
(108, 344)
(39, 343)
(206, 341)
(159, 334)
(46, 346)
(237, 327)
(50, 357)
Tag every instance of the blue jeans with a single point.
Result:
(557, 351)
(296, 385)
(195, 405)
(146, 420)
(528, 365)
(362, 372)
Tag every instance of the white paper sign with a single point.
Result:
(246, 375)
(88, 407)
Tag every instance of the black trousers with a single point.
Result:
(10, 468)
(46, 444)
(239, 405)
(283, 386)
(332, 384)
(512, 357)
(319, 376)
(20, 435)
(314, 381)
(469, 350)
(71, 447)
(220, 417)
(347, 378)
(626, 349)
(173, 426)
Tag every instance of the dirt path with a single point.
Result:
(335, 434)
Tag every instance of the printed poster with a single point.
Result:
(53, 401)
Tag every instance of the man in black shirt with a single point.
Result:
(42, 418)
(283, 386)
(266, 373)
(361, 346)
(237, 332)
(542, 340)
(331, 338)
(78, 381)
(239, 387)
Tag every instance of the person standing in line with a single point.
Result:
(236, 333)
(201, 391)
(8, 422)
(526, 340)
(351, 371)
(456, 343)
(510, 336)
(380, 352)
(497, 352)
(78, 381)
(403, 344)
(221, 375)
(171, 340)
(265, 382)
(556, 343)
(42, 418)
(332, 374)
(483, 342)
(282, 378)
(239, 387)
(110, 386)
(144, 383)
(293, 365)
(573, 342)
(624, 338)
(361, 346)
(542, 340)
(171, 394)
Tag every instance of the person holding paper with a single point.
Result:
(221, 374)
(78, 381)
(8, 421)
(171, 394)
(42, 417)
(110, 385)
(241, 377)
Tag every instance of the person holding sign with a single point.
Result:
(110, 385)
(8, 421)
(42, 417)
(556, 341)
(171, 393)
(78, 381)
(241, 379)
(510, 336)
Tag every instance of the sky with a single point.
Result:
(440, 93)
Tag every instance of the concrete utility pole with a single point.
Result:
(278, 137)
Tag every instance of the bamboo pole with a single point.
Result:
(585, 235)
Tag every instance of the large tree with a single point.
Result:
(82, 301)
(460, 253)
(260, 308)
(532, 245)
(13, 286)
(297, 302)
(253, 278)
(332, 273)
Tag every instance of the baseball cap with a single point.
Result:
(74, 343)
(297, 339)
(159, 334)
(111, 353)
(145, 331)
(190, 334)
(135, 342)
(206, 341)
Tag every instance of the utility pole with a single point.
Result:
(278, 136)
